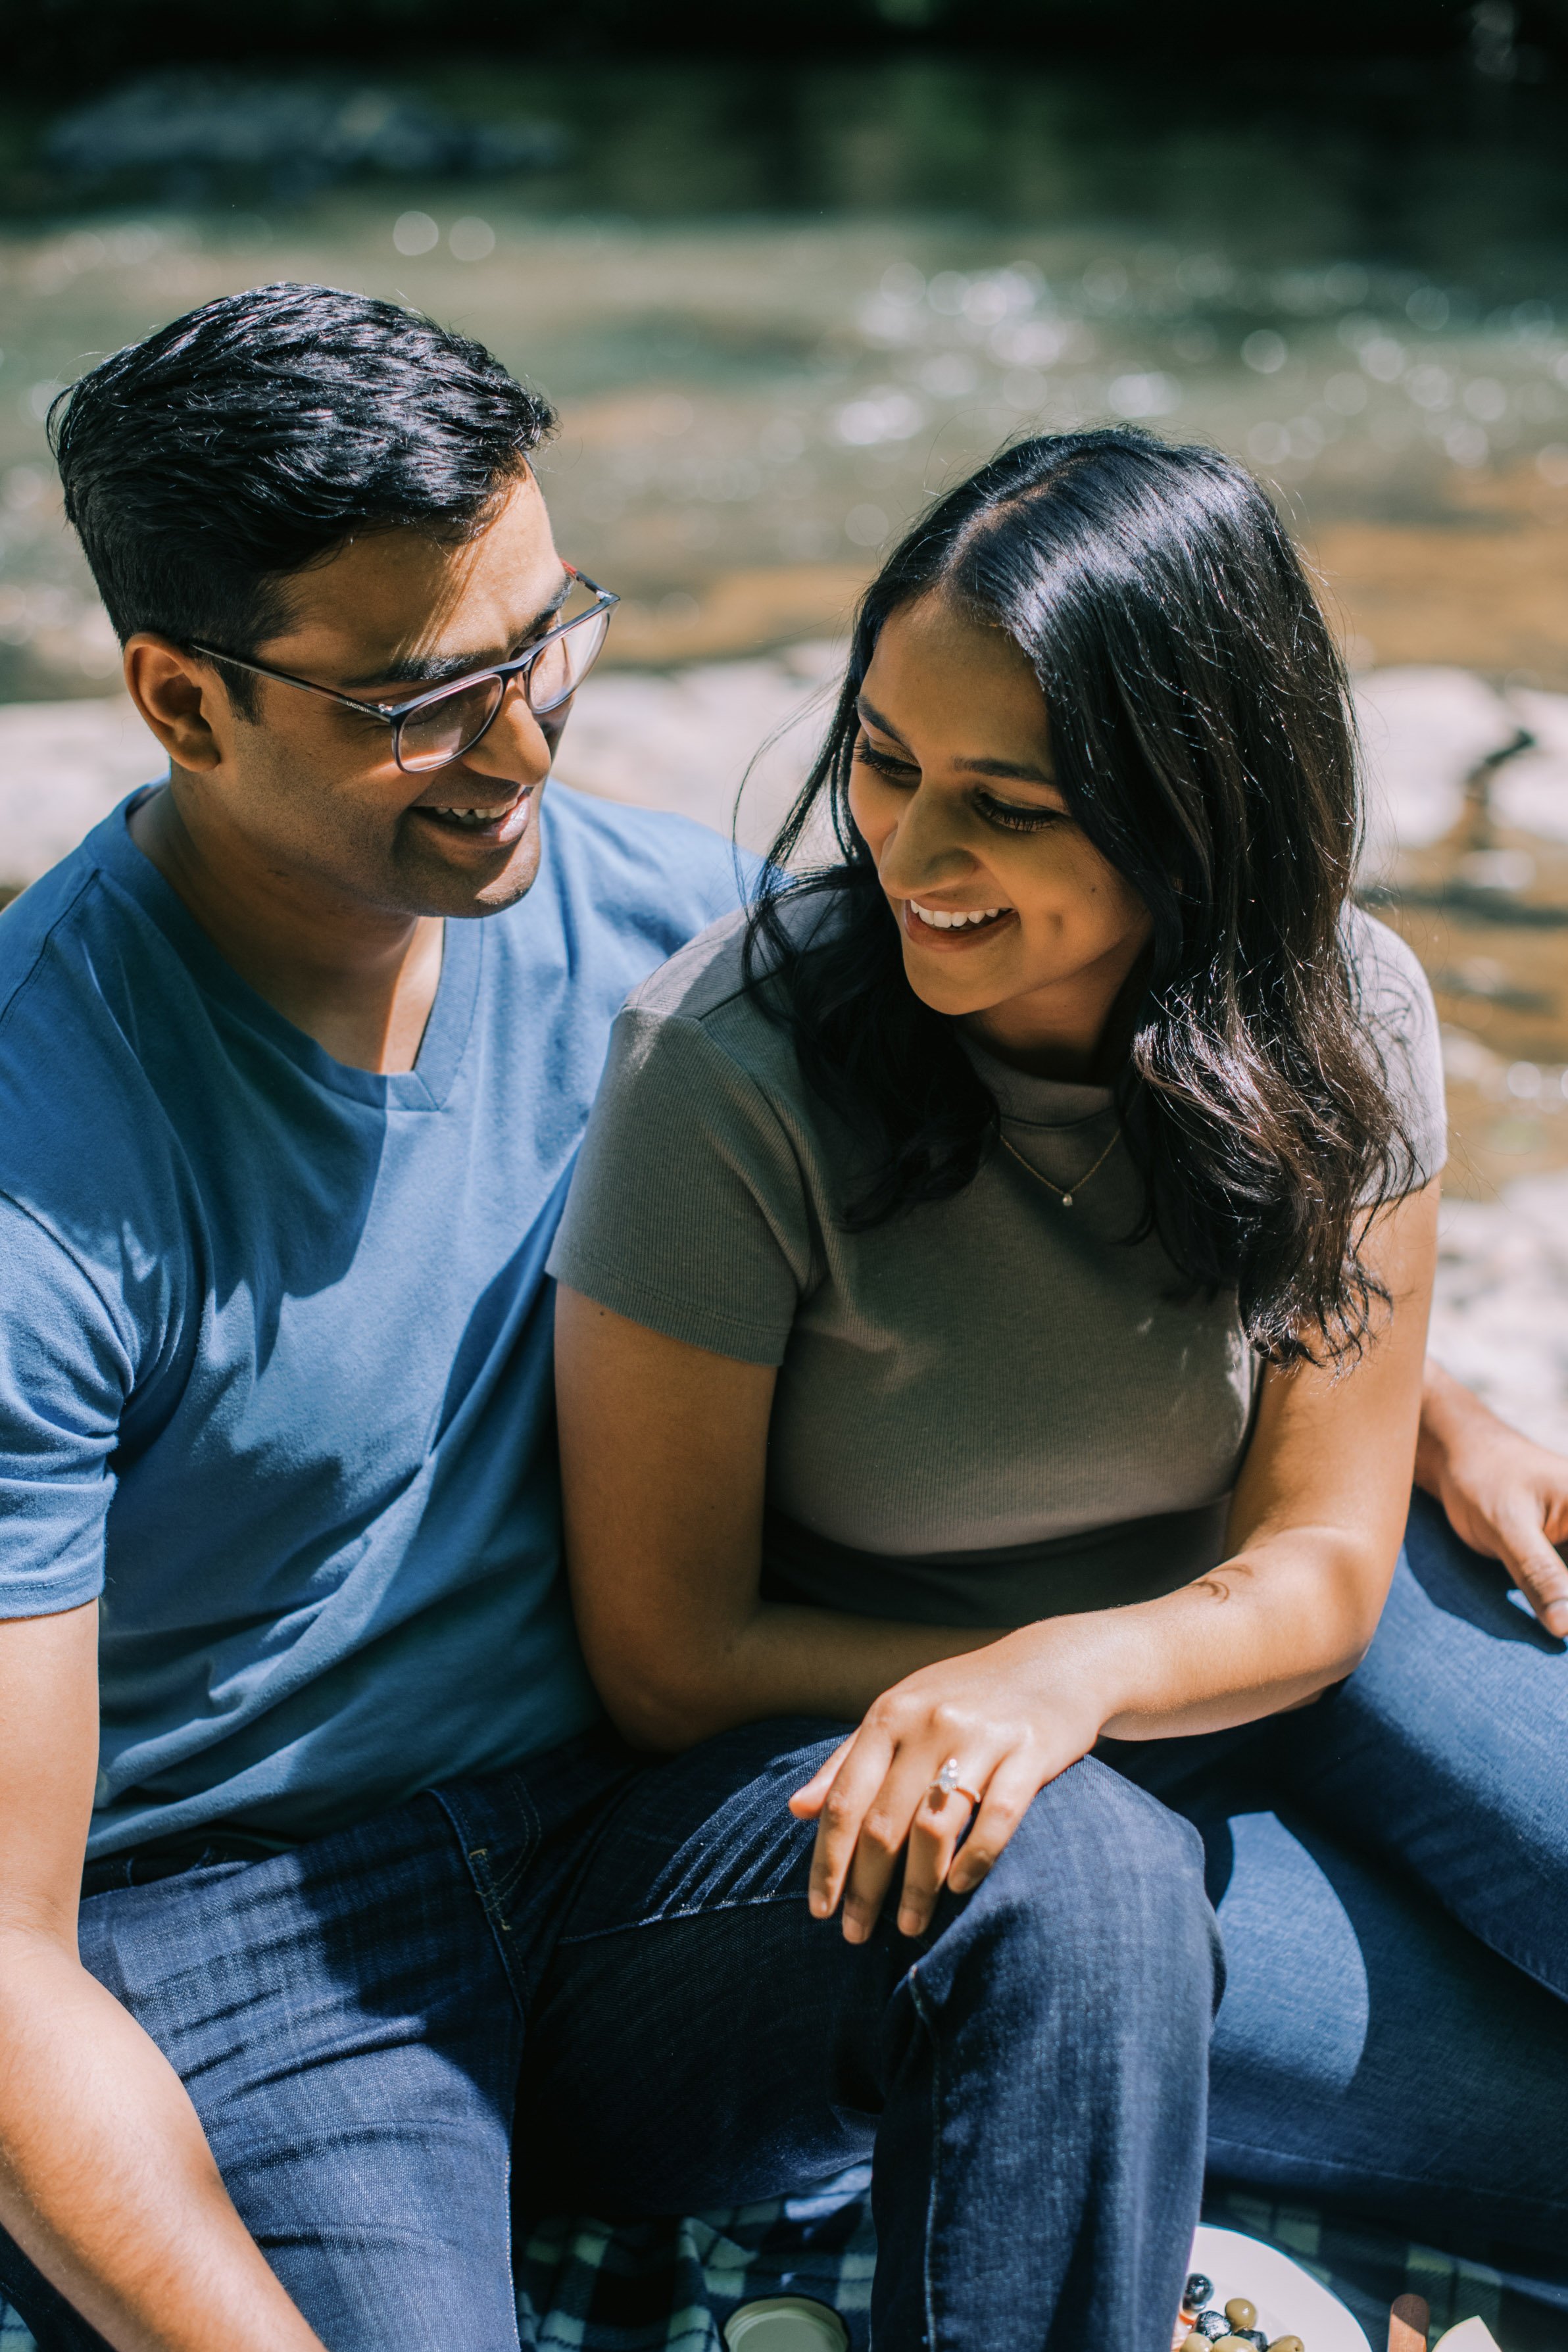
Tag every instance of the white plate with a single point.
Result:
(1290, 2301)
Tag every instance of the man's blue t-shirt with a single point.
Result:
(275, 1338)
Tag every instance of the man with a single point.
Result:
(286, 1135)
(292, 1131)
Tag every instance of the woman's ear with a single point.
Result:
(182, 699)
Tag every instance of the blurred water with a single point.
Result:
(779, 310)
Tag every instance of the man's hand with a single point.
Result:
(1504, 1495)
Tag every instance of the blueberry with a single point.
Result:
(1197, 2292)
(1212, 2324)
(1255, 2335)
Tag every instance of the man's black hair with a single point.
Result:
(257, 433)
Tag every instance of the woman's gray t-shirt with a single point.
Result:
(990, 1409)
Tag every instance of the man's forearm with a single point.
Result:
(106, 2180)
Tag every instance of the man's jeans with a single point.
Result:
(1030, 2075)
(347, 2018)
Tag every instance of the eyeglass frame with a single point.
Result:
(396, 714)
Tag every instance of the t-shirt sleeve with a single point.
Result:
(1402, 1020)
(687, 1209)
(65, 1373)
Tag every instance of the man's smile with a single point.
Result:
(498, 825)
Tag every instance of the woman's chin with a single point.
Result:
(946, 990)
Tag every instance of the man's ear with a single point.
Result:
(183, 700)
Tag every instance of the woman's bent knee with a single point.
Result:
(1101, 1888)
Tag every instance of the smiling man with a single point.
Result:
(284, 1138)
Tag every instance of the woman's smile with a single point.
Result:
(944, 928)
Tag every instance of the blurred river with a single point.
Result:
(780, 309)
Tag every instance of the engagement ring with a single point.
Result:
(948, 1784)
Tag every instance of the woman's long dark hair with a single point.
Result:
(1202, 737)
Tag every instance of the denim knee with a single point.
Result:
(1047, 2058)
(1098, 1899)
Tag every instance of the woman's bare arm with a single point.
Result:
(106, 2180)
(1315, 1527)
(664, 1460)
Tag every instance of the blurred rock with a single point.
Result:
(738, 613)
(727, 742)
(1499, 1316)
(301, 132)
(1531, 792)
(63, 765)
(1424, 730)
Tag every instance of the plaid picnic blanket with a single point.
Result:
(668, 2286)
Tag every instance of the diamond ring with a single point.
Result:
(948, 1784)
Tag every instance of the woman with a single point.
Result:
(994, 1298)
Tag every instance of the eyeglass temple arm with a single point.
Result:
(287, 677)
(391, 711)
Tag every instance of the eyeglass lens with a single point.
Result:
(565, 662)
(443, 731)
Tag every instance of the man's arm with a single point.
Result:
(1504, 1495)
(106, 2180)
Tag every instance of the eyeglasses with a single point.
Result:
(442, 725)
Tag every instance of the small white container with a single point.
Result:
(786, 2323)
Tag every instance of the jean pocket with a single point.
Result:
(499, 1834)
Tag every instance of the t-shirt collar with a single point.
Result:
(1037, 1102)
(424, 1087)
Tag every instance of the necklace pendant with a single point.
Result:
(1066, 1200)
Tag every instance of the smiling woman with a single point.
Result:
(992, 1311)
(1055, 969)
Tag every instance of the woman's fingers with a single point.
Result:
(1012, 1788)
(841, 1810)
(940, 1820)
(878, 1797)
(806, 1803)
(892, 1819)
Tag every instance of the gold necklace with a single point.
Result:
(1064, 1198)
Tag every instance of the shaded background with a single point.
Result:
(789, 273)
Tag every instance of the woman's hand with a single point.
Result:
(1505, 1495)
(1010, 1716)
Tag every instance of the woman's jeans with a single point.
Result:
(353, 2020)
